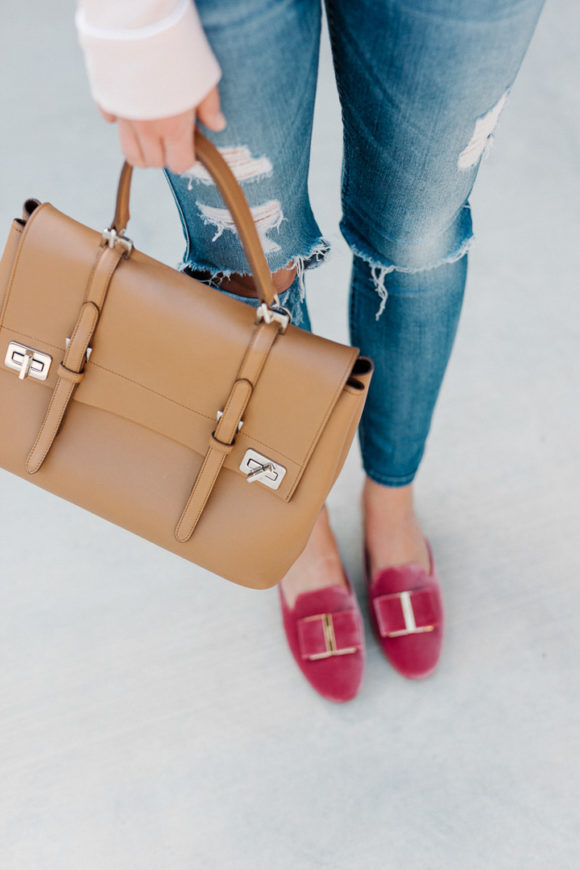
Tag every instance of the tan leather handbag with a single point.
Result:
(212, 428)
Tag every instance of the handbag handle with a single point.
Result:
(233, 197)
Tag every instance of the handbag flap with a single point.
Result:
(167, 349)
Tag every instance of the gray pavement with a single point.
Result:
(152, 717)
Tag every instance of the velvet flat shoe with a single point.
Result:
(406, 611)
(325, 634)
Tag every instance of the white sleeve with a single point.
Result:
(145, 59)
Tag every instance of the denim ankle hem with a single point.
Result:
(386, 480)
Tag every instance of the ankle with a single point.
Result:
(392, 532)
(393, 502)
(318, 565)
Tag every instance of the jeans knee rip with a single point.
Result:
(379, 272)
(482, 137)
(316, 254)
(267, 216)
(240, 160)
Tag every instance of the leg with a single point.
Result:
(421, 86)
(269, 57)
(411, 344)
(268, 53)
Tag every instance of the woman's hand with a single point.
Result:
(167, 141)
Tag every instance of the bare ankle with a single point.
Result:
(395, 500)
(392, 531)
(318, 565)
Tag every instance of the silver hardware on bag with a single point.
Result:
(220, 414)
(112, 238)
(28, 362)
(88, 353)
(275, 313)
(259, 468)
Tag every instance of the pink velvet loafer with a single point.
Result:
(324, 630)
(406, 611)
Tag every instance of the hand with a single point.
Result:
(167, 141)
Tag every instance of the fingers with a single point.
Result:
(141, 145)
(178, 143)
(150, 140)
(164, 142)
(167, 141)
(130, 143)
(209, 112)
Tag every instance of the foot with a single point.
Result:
(318, 565)
(322, 619)
(404, 593)
(392, 532)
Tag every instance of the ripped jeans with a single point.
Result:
(421, 85)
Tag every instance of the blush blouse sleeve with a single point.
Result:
(145, 59)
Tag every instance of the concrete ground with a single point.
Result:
(152, 717)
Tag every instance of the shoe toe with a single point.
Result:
(337, 678)
(325, 634)
(414, 656)
(406, 611)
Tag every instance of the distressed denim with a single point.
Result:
(421, 85)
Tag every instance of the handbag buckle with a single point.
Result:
(274, 313)
(88, 351)
(28, 362)
(112, 238)
(258, 467)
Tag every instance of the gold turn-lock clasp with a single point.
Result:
(27, 361)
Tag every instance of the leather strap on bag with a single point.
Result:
(222, 439)
(234, 199)
(70, 371)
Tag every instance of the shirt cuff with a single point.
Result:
(149, 72)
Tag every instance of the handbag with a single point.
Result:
(207, 426)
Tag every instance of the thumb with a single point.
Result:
(209, 113)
